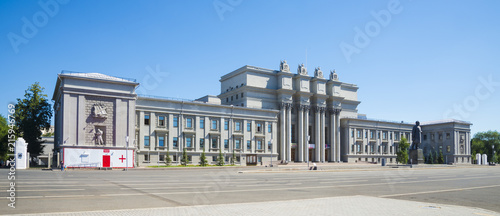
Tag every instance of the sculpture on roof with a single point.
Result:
(301, 70)
(318, 73)
(333, 75)
(284, 66)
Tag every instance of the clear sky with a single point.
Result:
(412, 60)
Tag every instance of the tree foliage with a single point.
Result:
(33, 113)
(402, 154)
(4, 143)
(184, 160)
(220, 159)
(482, 143)
(168, 159)
(440, 158)
(203, 159)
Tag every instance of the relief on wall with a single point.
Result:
(99, 111)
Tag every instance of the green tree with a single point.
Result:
(402, 154)
(203, 159)
(483, 141)
(431, 158)
(440, 158)
(184, 160)
(233, 158)
(220, 159)
(33, 113)
(4, 143)
(168, 159)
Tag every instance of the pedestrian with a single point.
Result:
(62, 166)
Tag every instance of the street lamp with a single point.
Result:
(126, 154)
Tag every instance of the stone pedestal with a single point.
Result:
(416, 156)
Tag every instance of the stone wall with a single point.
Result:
(92, 122)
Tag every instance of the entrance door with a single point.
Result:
(106, 161)
(252, 159)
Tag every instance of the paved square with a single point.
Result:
(75, 191)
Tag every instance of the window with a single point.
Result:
(226, 143)
(202, 143)
(236, 96)
(425, 137)
(249, 126)
(352, 133)
(378, 135)
(226, 125)
(146, 119)
(366, 134)
(202, 123)
(259, 128)
(214, 158)
(227, 100)
(161, 141)
(146, 157)
(214, 143)
(396, 136)
(269, 146)
(231, 98)
(447, 135)
(162, 158)
(189, 123)
(372, 135)
(384, 135)
(390, 135)
(214, 125)
(176, 121)
(358, 134)
(249, 144)
(238, 126)
(237, 144)
(448, 149)
(241, 94)
(259, 159)
(174, 157)
(259, 144)
(188, 142)
(190, 158)
(174, 143)
(161, 121)
(146, 140)
(269, 128)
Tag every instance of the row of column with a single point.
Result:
(302, 148)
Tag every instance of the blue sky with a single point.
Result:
(413, 60)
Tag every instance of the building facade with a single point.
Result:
(260, 116)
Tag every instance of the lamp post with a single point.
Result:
(126, 154)
(271, 150)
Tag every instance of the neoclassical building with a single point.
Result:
(261, 116)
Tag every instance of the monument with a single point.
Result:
(416, 154)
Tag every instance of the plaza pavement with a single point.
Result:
(336, 189)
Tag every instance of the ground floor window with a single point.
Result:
(146, 157)
(162, 158)
(214, 158)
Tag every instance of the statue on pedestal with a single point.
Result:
(416, 135)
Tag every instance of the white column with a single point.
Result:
(282, 133)
(300, 146)
(289, 130)
(322, 132)
(337, 136)
(306, 134)
(333, 137)
(317, 137)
